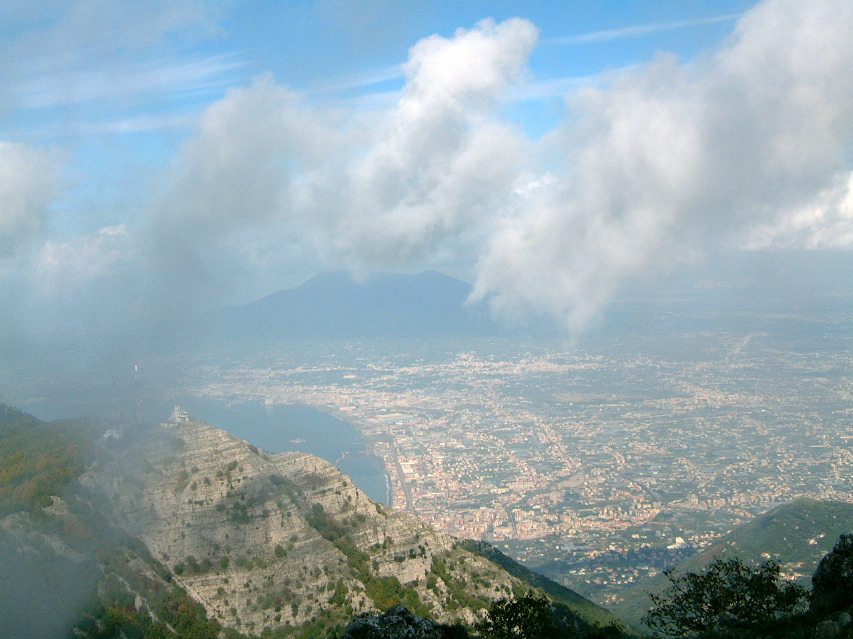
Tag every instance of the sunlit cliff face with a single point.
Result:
(186, 504)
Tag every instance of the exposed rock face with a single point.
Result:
(832, 582)
(396, 623)
(265, 540)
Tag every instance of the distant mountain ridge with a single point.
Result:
(334, 305)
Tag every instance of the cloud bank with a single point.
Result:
(653, 166)
(29, 181)
(668, 160)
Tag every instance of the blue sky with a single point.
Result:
(163, 154)
(101, 75)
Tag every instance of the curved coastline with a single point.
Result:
(369, 443)
(295, 426)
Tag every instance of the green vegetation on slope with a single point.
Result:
(796, 535)
(38, 459)
(64, 560)
(64, 569)
(695, 602)
(585, 609)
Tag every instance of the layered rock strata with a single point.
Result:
(263, 540)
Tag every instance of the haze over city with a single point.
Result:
(570, 281)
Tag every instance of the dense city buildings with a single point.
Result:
(555, 452)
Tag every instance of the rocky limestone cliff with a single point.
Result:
(265, 540)
(832, 582)
(398, 623)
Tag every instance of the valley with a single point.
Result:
(598, 463)
(614, 461)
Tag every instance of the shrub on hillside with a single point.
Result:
(728, 591)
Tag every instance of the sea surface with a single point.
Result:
(280, 428)
(275, 428)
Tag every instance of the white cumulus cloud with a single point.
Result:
(654, 166)
(270, 176)
(668, 159)
(29, 182)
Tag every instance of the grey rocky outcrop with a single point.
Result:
(832, 582)
(396, 623)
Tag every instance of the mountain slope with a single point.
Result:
(579, 605)
(262, 539)
(796, 535)
(333, 305)
(65, 569)
(184, 526)
(267, 540)
(38, 459)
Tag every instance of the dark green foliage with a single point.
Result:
(314, 481)
(527, 617)
(183, 481)
(788, 533)
(535, 616)
(384, 591)
(340, 596)
(357, 560)
(323, 523)
(12, 418)
(192, 566)
(695, 602)
(239, 514)
(328, 527)
(458, 592)
(287, 486)
(388, 591)
(399, 622)
(570, 603)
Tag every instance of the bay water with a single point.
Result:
(280, 428)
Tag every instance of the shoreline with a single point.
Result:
(369, 440)
(277, 426)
